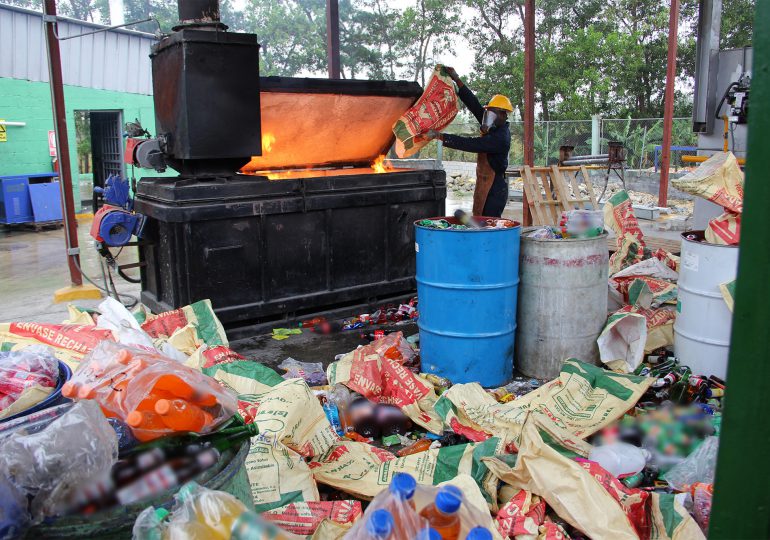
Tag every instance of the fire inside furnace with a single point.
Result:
(378, 166)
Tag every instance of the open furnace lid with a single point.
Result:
(308, 123)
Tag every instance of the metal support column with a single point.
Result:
(596, 122)
(62, 144)
(529, 97)
(741, 499)
(668, 105)
(333, 37)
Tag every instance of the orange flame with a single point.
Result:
(380, 166)
(267, 142)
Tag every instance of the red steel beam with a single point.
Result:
(333, 37)
(668, 104)
(529, 98)
(62, 144)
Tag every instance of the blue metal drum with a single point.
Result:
(467, 283)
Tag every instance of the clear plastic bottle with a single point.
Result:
(381, 526)
(215, 513)
(442, 515)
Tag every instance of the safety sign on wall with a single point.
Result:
(52, 143)
(3, 132)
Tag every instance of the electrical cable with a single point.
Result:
(732, 135)
(92, 282)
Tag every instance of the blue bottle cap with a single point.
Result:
(479, 533)
(403, 485)
(380, 524)
(428, 534)
(449, 499)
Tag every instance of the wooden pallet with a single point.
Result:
(36, 226)
(553, 190)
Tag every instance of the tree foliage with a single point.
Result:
(592, 56)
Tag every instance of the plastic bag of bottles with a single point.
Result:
(21, 371)
(699, 466)
(153, 394)
(199, 512)
(51, 465)
(407, 511)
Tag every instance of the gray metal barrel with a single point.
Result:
(562, 302)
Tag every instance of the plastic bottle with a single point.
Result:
(620, 458)
(327, 327)
(442, 514)
(380, 525)
(402, 487)
(465, 218)
(214, 511)
(479, 533)
(310, 323)
(145, 420)
(180, 415)
(419, 446)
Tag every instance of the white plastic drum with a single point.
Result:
(703, 320)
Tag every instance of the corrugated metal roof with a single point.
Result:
(113, 60)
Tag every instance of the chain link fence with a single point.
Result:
(643, 139)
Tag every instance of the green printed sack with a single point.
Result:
(584, 399)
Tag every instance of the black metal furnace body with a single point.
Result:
(311, 226)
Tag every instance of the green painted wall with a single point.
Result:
(26, 150)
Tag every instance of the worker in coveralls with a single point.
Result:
(492, 147)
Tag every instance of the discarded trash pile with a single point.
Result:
(481, 224)
(153, 424)
(162, 409)
(573, 224)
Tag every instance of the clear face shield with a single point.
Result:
(488, 120)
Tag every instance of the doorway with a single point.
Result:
(107, 147)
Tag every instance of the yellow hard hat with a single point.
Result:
(499, 101)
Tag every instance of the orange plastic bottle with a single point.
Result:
(415, 448)
(145, 420)
(70, 389)
(173, 384)
(148, 403)
(442, 515)
(180, 415)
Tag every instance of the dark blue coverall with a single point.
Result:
(496, 145)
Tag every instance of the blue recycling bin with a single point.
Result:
(27, 198)
(467, 283)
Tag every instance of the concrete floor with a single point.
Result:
(33, 266)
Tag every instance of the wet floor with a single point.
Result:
(33, 265)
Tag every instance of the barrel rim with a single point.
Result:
(605, 234)
(701, 240)
(452, 219)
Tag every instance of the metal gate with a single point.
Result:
(107, 147)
